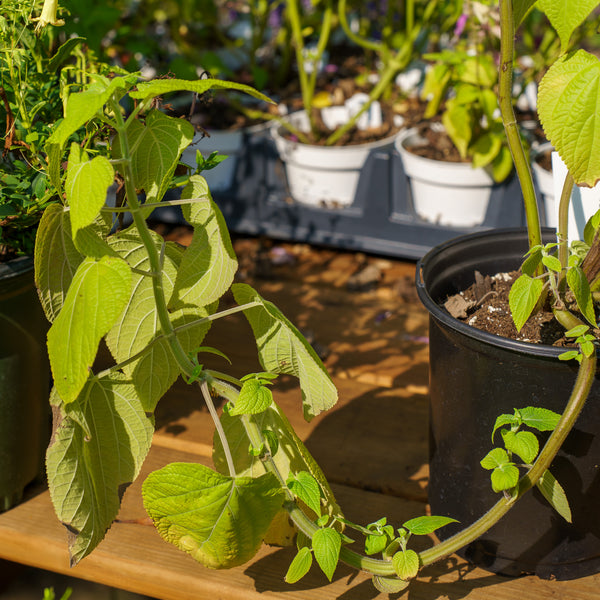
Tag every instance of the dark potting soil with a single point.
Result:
(484, 305)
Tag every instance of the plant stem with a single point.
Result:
(215, 417)
(562, 232)
(155, 260)
(507, 44)
(583, 383)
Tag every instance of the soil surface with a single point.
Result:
(485, 306)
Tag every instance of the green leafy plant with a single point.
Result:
(36, 73)
(152, 303)
(470, 114)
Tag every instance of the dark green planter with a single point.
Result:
(24, 381)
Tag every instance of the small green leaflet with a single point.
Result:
(504, 420)
(521, 443)
(494, 458)
(555, 495)
(567, 103)
(307, 489)
(389, 585)
(300, 566)
(427, 524)
(326, 544)
(406, 564)
(219, 520)
(580, 287)
(523, 296)
(552, 263)
(254, 397)
(283, 349)
(538, 418)
(96, 298)
(505, 475)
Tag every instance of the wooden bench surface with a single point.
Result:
(372, 446)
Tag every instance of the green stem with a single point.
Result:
(510, 123)
(155, 260)
(562, 232)
(215, 417)
(357, 39)
(583, 383)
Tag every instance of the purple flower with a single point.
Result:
(275, 17)
(460, 25)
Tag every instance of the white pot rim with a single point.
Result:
(300, 115)
(452, 173)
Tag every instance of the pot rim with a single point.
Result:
(276, 129)
(436, 311)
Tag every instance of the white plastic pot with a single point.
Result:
(322, 175)
(229, 143)
(445, 193)
(545, 183)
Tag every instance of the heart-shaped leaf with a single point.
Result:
(219, 520)
(406, 564)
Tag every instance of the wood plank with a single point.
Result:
(134, 558)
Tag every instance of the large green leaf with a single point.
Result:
(87, 183)
(53, 277)
(568, 101)
(97, 296)
(283, 349)
(98, 447)
(219, 520)
(566, 15)
(209, 263)
(159, 87)
(155, 371)
(157, 146)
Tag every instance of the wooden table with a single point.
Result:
(372, 446)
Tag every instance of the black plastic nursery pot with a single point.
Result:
(24, 381)
(475, 377)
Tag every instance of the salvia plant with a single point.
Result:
(152, 303)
